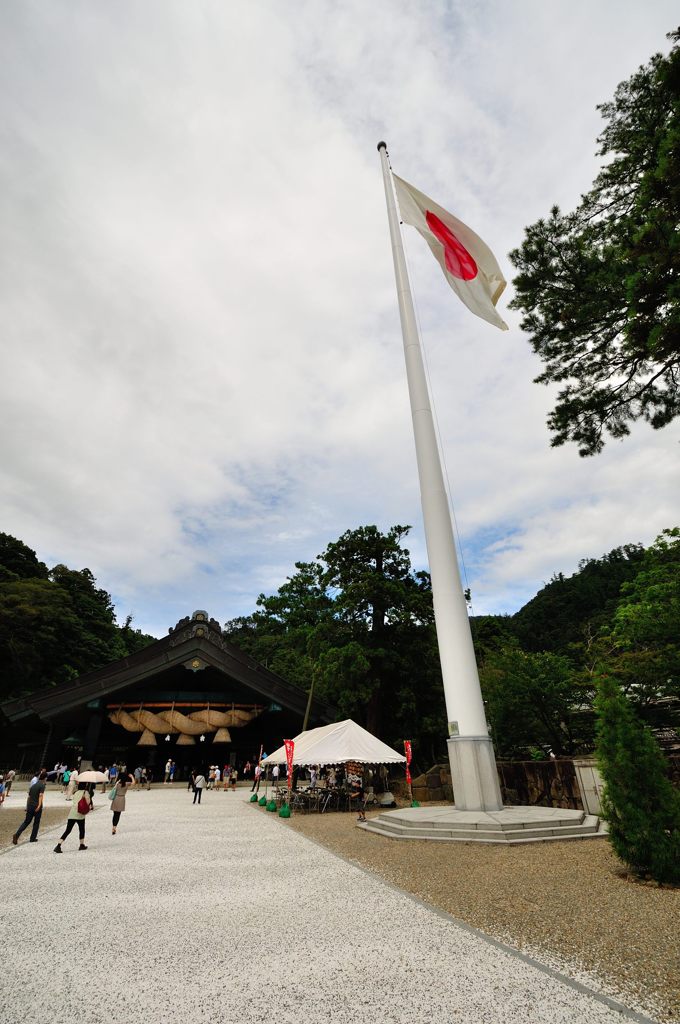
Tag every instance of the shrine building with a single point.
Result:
(192, 696)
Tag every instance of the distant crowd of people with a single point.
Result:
(79, 788)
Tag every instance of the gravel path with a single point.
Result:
(565, 902)
(219, 913)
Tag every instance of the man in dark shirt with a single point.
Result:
(34, 806)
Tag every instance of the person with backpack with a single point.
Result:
(80, 807)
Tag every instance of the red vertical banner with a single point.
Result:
(407, 751)
(290, 748)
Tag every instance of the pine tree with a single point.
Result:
(639, 803)
(599, 287)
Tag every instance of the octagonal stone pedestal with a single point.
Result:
(507, 825)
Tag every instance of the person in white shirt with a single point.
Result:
(275, 774)
(199, 786)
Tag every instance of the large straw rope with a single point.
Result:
(121, 717)
(219, 719)
(182, 723)
(137, 721)
(175, 722)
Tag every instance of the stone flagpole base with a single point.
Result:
(473, 773)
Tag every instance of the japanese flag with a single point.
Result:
(468, 264)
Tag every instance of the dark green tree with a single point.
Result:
(134, 639)
(600, 287)
(376, 598)
(639, 803)
(54, 625)
(359, 623)
(37, 622)
(535, 701)
(641, 649)
(18, 561)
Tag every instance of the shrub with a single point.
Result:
(639, 803)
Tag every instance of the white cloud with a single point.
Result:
(202, 378)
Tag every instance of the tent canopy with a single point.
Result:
(333, 744)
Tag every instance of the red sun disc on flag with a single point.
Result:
(458, 260)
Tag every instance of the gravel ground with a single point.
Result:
(220, 913)
(565, 903)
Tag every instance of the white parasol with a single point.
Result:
(91, 776)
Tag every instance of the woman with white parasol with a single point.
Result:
(81, 805)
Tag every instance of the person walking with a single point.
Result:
(81, 804)
(72, 782)
(234, 776)
(199, 785)
(9, 778)
(34, 806)
(118, 803)
(168, 766)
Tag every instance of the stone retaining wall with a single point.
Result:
(551, 783)
(544, 783)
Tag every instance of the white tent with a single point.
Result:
(334, 744)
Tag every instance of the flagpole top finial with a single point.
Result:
(382, 145)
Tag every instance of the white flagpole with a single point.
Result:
(471, 755)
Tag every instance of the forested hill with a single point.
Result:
(566, 607)
(357, 622)
(55, 623)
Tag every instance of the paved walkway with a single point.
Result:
(220, 914)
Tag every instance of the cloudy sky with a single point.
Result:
(201, 371)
